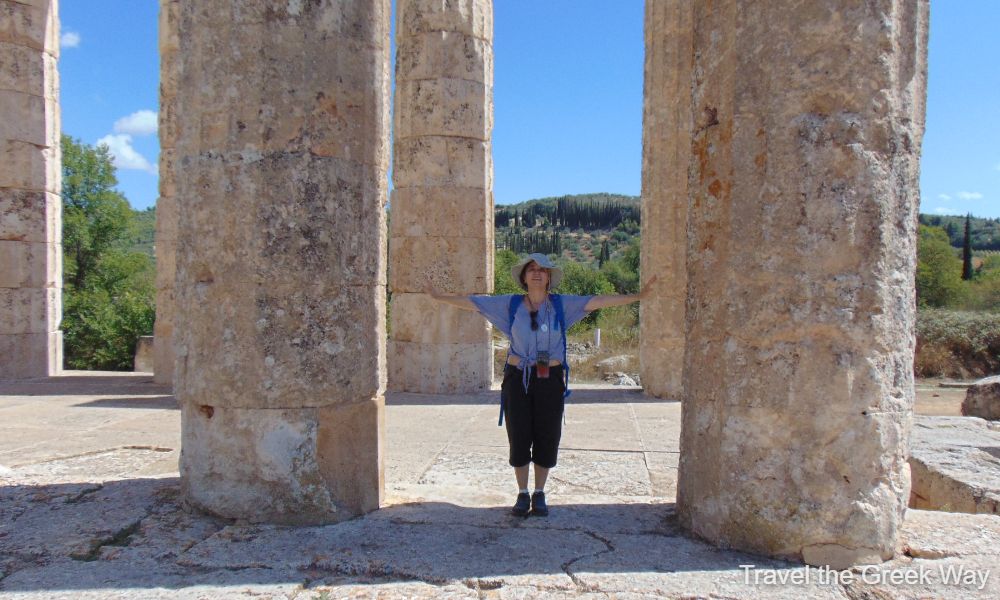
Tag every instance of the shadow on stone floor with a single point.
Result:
(91, 383)
(146, 402)
(133, 533)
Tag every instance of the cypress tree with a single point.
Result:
(967, 249)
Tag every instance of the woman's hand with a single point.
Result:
(646, 289)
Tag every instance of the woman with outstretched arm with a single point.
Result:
(534, 387)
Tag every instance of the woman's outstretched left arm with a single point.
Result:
(607, 300)
(458, 301)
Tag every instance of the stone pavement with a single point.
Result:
(89, 508)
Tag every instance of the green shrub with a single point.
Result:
(957, 344)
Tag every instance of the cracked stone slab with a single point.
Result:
(650, 565)
(113, 463)
(955, 465)
(378, 548)
(74, 521)
(599, 518)
(148, 579)
(935, 534)
(952, 578)
(607, 473)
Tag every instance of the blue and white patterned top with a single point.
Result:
(525, 343)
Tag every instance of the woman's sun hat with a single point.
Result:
(555, 273)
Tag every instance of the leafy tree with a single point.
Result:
(109, 293)
(584, 281)
(503, 283)
(939, 271)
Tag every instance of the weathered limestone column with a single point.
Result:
(282, 156)
(666, 148)
(166, 204)
(798, 373)
(30, 190)
(442, 199)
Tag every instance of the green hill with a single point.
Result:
(985, 233)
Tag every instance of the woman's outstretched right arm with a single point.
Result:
(462, 302)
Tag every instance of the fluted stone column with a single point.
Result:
(30, 190)
(166, 204)
(281, 150)
(798, 381)
(666, 148)
(442, 199)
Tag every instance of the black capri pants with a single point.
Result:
(534, 419)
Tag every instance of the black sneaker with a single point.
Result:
(538, 506)
(522, 506)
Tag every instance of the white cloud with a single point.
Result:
(70, 39)
(947, 211)
(970, 195)
(944, 196)
(124, 155)
(141, 122)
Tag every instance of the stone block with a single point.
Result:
(29, 167)
(30, 310)
(444, 54)
(268, 345)
(418, 318)
(289, 23)
(166, 263)
(453, 265)
(444, 107)
(435, 161)
(32, 24)
(143, 360)
(351, 440)
(30, 216)
(29, 264)
(163, 353)
(169, 39)
(982, 399)
(440, 368)
(328, 99)
(282, 218)
(29, 71)
(28, 355)
(955, 465)
(168, 177)
(28, 118)
(441, 211)
(294, 466)
(661, 362)
(470, 17)
(756, 498)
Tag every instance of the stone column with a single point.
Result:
(666, 148)
(798, 372)
(30, 191)
(441, 230)
(282, 157)
(166, 204)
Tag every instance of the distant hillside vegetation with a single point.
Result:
(142, 237)
(985, 233)
(586, 228)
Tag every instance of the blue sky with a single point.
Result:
(568, 98)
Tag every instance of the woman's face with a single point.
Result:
(536, 276)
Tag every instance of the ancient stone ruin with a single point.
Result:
(793, 360)
(30, 189)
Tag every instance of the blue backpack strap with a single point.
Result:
(515, 303)
(561, 319)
